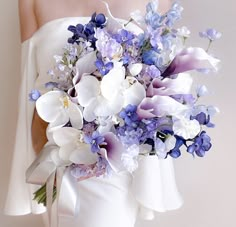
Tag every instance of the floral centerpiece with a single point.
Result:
(117, 93)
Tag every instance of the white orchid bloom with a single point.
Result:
(101, 99)
(72, 148)
(133, 92)
(55, 107)
(135, 69)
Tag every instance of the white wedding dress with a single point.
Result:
(104, 202)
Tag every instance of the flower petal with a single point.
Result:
(65, 135)
(113, 151)
(49, 105)
(87, 88)
(76, 116)
(180, 85)
(190, 59)
(83, 155)
(134, 94)
(110, 84)
(159, 106)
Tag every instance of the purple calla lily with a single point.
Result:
(192, 58)
(159, 106)
(112, 151)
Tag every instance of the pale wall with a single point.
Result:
(208, 185)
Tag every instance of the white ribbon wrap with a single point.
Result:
(45, 170)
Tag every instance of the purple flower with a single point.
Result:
(34, 95)
(153, 71)
(175, 153)
(202, 118)
(103, 68)
(191, 59)
(129, 115)
(98, 20)
(124, 37)
(210, 34)
(112, 151)
(150, 57)
(201, 144)
(95, 141)
(174, 14)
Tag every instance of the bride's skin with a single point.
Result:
(35, 13)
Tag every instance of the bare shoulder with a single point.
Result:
(28, 20)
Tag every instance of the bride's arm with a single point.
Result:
(28, 25)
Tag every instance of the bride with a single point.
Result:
(115, 201)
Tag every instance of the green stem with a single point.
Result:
(129, 21)
(209, 45)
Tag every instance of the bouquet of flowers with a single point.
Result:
(122, 89)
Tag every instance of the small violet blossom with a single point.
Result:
(95, 140)
(210, 34)
(129, 115)
(102, 67)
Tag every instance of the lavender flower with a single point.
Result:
(175, 152)
(102, 67)
(129, 115)
(210, 34)
(201, 145)
(124, 37)
(174, 14)
(95, 140)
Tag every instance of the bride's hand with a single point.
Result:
(38, 131)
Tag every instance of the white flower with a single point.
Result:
(184, 31)
(133, 91)
(72, 148)
(130, 158)
(101, 99)
(186, 128)
(162, 148)
(55, 107)
(135, 69)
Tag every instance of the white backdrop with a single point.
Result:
(207, 185)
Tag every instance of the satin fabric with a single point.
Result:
(114, 201)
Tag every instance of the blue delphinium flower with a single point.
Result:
(152, 17)
(95, 140)
(174, 14)
(99, 20)
(150, 57)
(34, 95)
(87, 31)
(152, 71)
(78, 33)
(102, 67)
(129, 115)
(124, 37)
(201, 144)
(175, 153)
(203, 119)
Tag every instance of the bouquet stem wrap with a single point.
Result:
(44, 171)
